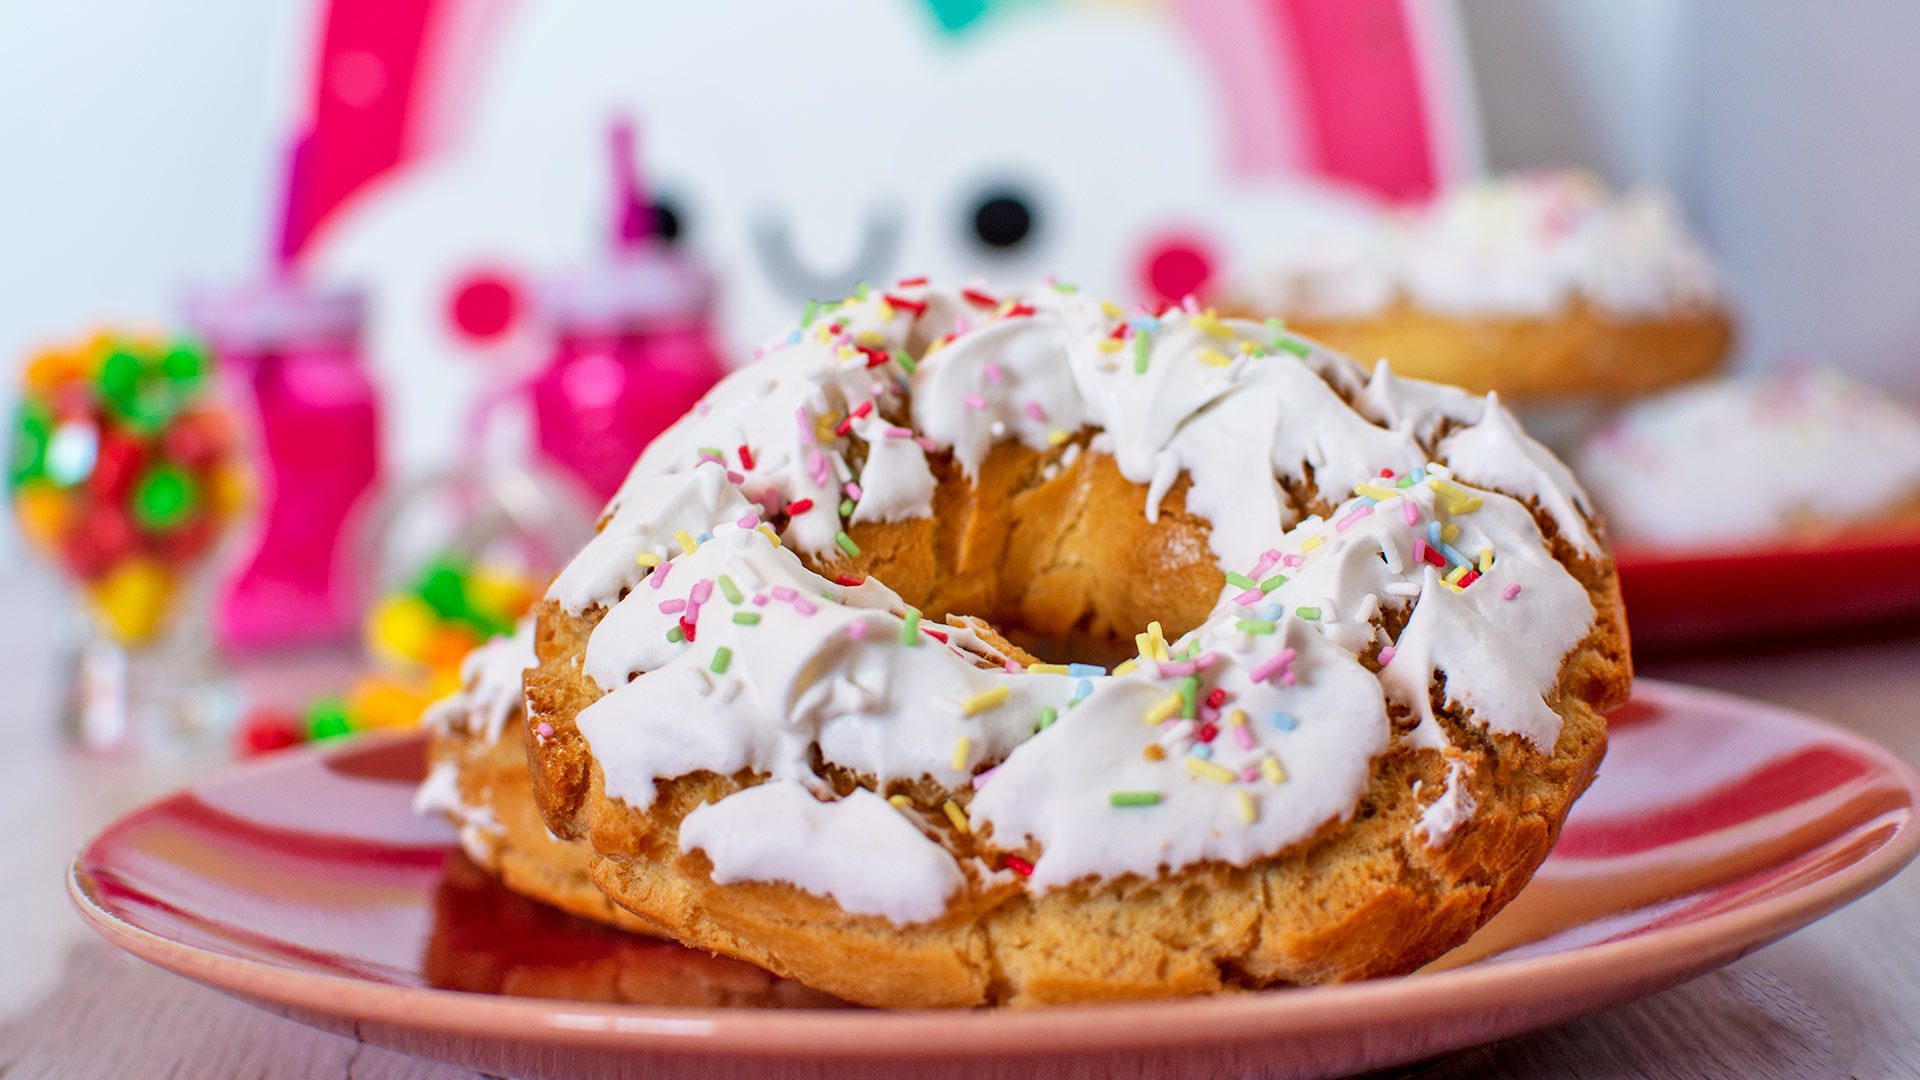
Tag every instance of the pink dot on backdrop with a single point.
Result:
(484, 304)
(1174, 266)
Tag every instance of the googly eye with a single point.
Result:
(668, 220)
(1003, 218)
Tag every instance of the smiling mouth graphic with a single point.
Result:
(773, 243)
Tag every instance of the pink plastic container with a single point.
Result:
(295, 352)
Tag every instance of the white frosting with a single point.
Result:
(1141, 771)
(1749, 459)
(479, 830)
(1522, 245)
(1444, 815)
(858, 850)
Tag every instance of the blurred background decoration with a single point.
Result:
(473, 254)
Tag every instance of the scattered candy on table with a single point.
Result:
(418, 636)
(123, 471)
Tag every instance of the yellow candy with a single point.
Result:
(382, 703)
(401, 628)
(500, 592)
(43, 512)
(232, 490)
(130, 602)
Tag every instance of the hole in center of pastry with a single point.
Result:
(1054, 549)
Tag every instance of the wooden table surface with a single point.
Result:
(1839, 999)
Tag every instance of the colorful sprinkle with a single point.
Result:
(1133, 798)
(955, 815)
(1243, 805)
(685, 541)
(910, 632)
(747, 618)
(1203, 768)
(962, 749)
(984, 700)
(846, 543)
(722, 658)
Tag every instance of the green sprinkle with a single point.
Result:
(906, 362)
(722, 656)
(1245, 626)
(846, 508)
(1293, 345)
(729, 589)
(1134, 798)
(1193, 648)
(1240, 581)
(710, 451)
(861, 290)
(676, 635)
(812, 312)
(747, 618)
(1048, 714)
(1273, 583)
(1065, 289)
(846, 543)
(1307, 612)
(1404, 482)
(1139, 352)
(1189, 695)
(1275, 323)
(910, 633)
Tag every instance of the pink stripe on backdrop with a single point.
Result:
(1260, 94)
(1362, 82)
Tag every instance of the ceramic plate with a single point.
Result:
(1685, 599)
(304, 884)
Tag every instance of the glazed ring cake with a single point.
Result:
(1797, 456)
(833, 688)
(477, 779)
(1540, 286)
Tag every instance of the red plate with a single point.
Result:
(305, 885)
(1679, 599)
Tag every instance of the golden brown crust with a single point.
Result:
(1581, 351)
(1025, 544)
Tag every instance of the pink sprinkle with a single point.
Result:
(672, 607)
(926, 443)
(1205, 660)
(899, 433)
(1013, 667)
(715, 458)
(693, 613)
(853, 491)
(659, 577)
(1352, 519)
(1250, 774)
(1176, 669)
(1419, 550)
(1208, 714)
(993, 373)
(1386, 656)
(975, 401)
(1288, 678)
(1291, 561)
(817, 466)
(784, 593)
(701, 592)
(1510, 591)
(544, 730)
(1034, 410)
(748, 521)
(805, 422)
(856, 631)
(981, 778)
(1191, 303)
(1278, 662)
(1410, 511)
(1250, 598)
(1243, 737)
(1265, 564)
(804, 606)
(735, 477)
(759, 599)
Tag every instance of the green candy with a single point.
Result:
(164, 497)
(32, 431)
(328, 718)
(186, 362)
(444, 587)
(120, 376)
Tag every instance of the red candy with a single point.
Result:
(1217, 698)
(266, 729)
(1207, 732)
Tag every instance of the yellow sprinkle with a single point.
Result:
(938, 344)
(1108, 344)
(1312, 542)
(1454, 575)
(1209, 770)
(823, 427)
(1243, 804)
(1486, 559)
(962, 747)
(1125, 666)
(1375, 491)
(1449, 532)
(900, 800)
(1270, 768)
(1110, 309)
(1448, 488)
(1212, 326)
(1039, 668)
(1215, 358)
(984, 700)
(771, 535)
(885, 311)
(1247, 348)
(847, 352)
(1237, 718)
(871, 337)
(685, 541)
(1058, 437)
(954, 815)
(1164, 708)
(647, 558)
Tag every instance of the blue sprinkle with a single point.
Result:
(1144, 322)
(1454, 556)
(704, 537)
(1086, 671)
(793, 338)
(1433, 533)
(1419, 473)
(1366, 500)
(1084, 688)
(1283, 721)
(1273, 612)
(1202, 751)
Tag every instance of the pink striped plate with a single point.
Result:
(304, 884)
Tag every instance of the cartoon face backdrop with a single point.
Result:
(797, 149)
